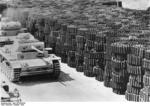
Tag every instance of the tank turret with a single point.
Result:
(9, 28)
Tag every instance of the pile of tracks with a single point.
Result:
(135, 70)
(119, 79)
(100, 48)
(145, 92)
(80, 47)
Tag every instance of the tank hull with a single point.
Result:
(14, 74)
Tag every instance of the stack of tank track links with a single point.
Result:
(80, 41)
(119, 69)
(40, 28)
(63, 54)
(51, 32)
(100, 45)
(110, 38)
(55, 41)
(58, 47)
(52, 37)
(135, 70)
(71, 59)
(33, 27)
(90, 54)
(71, 44)
(145, 92)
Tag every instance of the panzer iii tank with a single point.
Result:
(9, 28)
(27, 57)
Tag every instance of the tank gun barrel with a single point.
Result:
(39, 51)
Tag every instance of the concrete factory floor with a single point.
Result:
(71, 86)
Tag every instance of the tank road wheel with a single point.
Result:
(14, 75)
(56, 69)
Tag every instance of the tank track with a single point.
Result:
(145, 94)
(56, 70)
(13, 75)
(89, 71)
(99, 73)
(132, 97)
(16, 75)
(119, 91)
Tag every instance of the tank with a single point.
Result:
(9, 28)
(28, 56)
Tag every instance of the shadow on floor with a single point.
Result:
(40, 79)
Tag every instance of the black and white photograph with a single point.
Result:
(74, 51)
